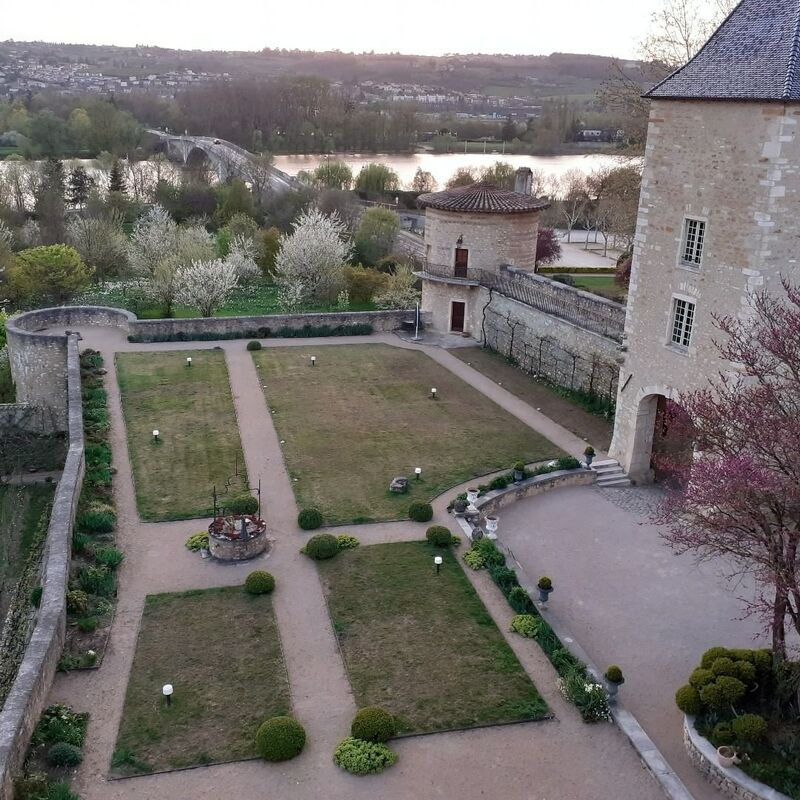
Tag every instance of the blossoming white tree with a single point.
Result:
(206, 285)
(400, 290)
(309, 267)
(242, 255)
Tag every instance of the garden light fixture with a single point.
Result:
(167, 690)
(417, 472)
(437, 560)
(433, 393)
(188, 361)
(156, 434)
(313, 361)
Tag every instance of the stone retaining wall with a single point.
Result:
(730, 781)
(28, 694)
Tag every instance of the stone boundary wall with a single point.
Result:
(548, 346)
(28, 694)
(22, 416)
(730, 781)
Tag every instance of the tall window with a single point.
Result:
(694, 234)
(682, 322)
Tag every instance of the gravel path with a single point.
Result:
(559, 758)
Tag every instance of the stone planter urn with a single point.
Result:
(727, 757)
(472, 496)
(544, 595)
(588, 454)
(460, 506)
(519, 472)
(545, 587)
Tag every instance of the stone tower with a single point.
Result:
(719, 214)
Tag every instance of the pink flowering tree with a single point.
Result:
(738, 497)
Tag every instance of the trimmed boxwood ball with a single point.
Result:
(254, 345)
(62, 754)
(373, 724)
(420, 512)
(687, 698)
(259, 582)
(701, 677)
(280, 738)
(749, 728)
(309, 519)
(711, 655)
(722, 734)
(245, 504)
(438, 536)
(322, 546)
(725, 691)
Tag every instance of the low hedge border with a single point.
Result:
(284, 332)
(576, 270)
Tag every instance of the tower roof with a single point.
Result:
(482, 198)
(753, 55)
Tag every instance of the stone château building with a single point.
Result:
(718, 214)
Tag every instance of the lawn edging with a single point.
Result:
(648, 752)
(28, 693)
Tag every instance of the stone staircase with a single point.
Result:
(610, 474)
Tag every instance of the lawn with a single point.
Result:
(363, 415)
(423, 645)
(199, 444)
(21, 508)
(593, 427)
(221, 650)
(603, 285)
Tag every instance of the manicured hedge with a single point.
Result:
(284, 332)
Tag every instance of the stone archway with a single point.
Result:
(649, 400)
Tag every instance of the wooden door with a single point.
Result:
(457, 313)
(462, 259)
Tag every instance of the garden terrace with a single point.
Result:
(198, 447)
(423, 645)
(221, 650)
(363, 415)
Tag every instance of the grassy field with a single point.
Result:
(423, 645)
(363, 416)
(21, 507)
(594, 428)
(246, 301)
(193, 410)
(221, 650)
(603, 285)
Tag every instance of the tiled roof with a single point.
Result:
(754, 55)
(482, 198)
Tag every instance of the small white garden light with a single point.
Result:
(433, 393)
(313, 361)
(437, 560)
(156, 434)
(417, 472)
(188, 361)
(167, 690)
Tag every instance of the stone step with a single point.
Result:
(610, 474)
(605, 462)
(618, 481)
(603, 468)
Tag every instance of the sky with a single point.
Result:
(613, 27)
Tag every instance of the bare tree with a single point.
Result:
(572, 198)
(257, 171)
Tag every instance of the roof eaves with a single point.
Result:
(790, 89)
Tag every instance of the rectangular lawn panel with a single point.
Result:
(193, 410)
(220, 648)
(423, 645)
(363, 415)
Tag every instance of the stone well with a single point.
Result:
(237, 537)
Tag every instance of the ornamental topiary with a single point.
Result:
(309, 519)
(254, 345)
(701, 677)
(244, 504)
(321, 547)
(722, 735)
(723, 666)
(725, 691)
(614, 675)
(280, 738)
(687, 698)
(711, 655)
(373, 724)
(744, 671)
(420, 512)
(259, 582)
(749, 728)
(363, 758)
(63, 754)
(439, 536)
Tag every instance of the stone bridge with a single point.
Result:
(227, 159)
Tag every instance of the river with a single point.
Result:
(443, 165)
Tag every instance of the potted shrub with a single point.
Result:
(545, 587)
(589, 453)
(519, 471)
(614, 679)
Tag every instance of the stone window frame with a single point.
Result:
(695, 261)
(684, 342)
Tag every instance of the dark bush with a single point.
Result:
(749, 728)
(723, 666)
(568, 462)
(97, 580)
(97, 521)
(701, 677)
(63, 754)
(77, 601)
(420, 512)
(500, 482)
(309, 519)
(614, 675)
(373, 724)
(725, 691)
(280, 738)
(519, 600)
(687, 698)
(711, 655)
(722, 735)
(254, 345)
(504, 577)
(88, 624)
(259, 582)
(491, 555)
(109, 557)
(438, 536)
(244, 504)
(35, 596)
(322, 546)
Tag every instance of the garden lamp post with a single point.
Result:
(167, 690)
(156, 434)
(313, 361)
(433, 393)
(188, 361)
(417, 472)
(437, 560)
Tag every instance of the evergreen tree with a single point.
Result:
(49, 202)
(116, 180)
(78, 187)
